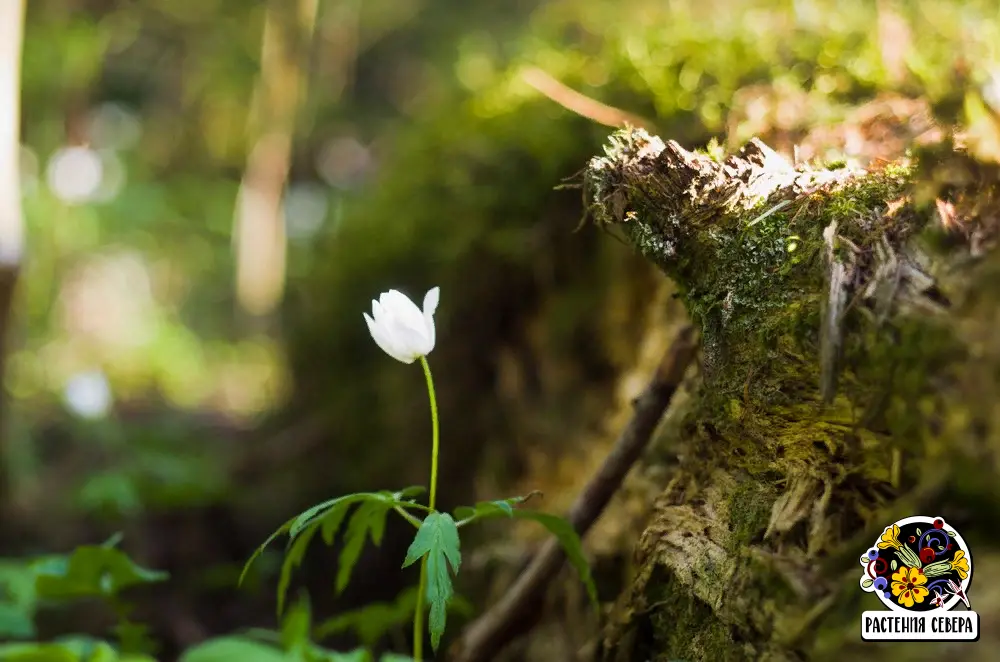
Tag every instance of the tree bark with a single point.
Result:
(850, 373)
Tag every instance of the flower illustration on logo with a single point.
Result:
(908, 586)
(920, 569)
(918, 564)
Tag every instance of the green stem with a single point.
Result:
(408, 517)
(435, 435)
(418, 614)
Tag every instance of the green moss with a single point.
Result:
(682, 627)
(749, 510)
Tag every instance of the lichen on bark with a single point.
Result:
(830, 303)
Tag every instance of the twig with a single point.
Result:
(519, 609)
(579, 103)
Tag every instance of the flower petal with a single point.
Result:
(431, 300)
(382, 339)
(430, 306)
(402, 307)
(411, 342)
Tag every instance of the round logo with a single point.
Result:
(918, 564)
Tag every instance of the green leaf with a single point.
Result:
(331, 513)
(36, 653)
(438, 540)
(293, 558)
(488, 509)
(331, 523)
(411, 492)
(356, 655)
(296, 626)
(367, 521)
(371, 622)
(307, 516)
(16, 622)
(867, 583)
(134, 637)
(90, 571)
(893, 565)
(571, 544)
(230, 649)
(260, 550)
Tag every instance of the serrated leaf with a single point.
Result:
(571, 544)
(293, 558)
(331, 523)
(306, 517)
(332, 512)
(438, 541)
(368, 521)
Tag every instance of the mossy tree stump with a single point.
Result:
(851, 355)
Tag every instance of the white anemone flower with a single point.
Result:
(400, 328)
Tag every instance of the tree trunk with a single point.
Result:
(850, 361)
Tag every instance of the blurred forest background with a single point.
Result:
(214, 190)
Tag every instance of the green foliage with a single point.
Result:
(226, 649)
(246, 649)
(77, 649)
(437, 540)
(17, 599)
(91, 571)
(292, 644)
(367, 522)
(373, 621)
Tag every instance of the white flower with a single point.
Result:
(400, 328)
